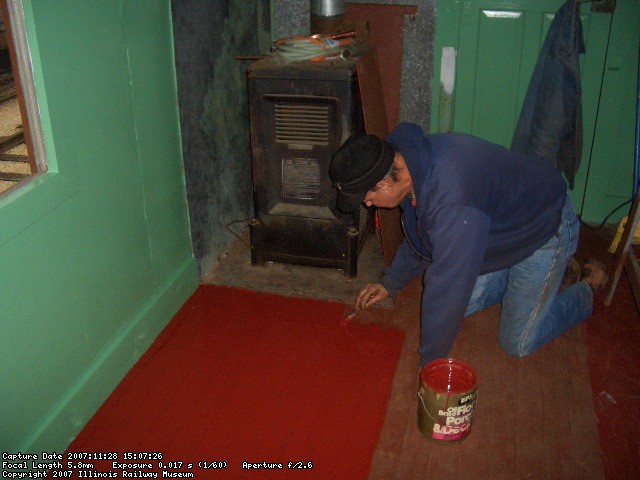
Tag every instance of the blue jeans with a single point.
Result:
(533, 312)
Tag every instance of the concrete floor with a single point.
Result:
(235, 269)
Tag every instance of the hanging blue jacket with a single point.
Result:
(550, 122)
(480, 208)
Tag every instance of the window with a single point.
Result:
(21, 148)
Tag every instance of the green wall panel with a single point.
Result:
(98, 255)
(609, 178)
(496, 100)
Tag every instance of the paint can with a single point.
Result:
(447, 399)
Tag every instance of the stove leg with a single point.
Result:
(255, 237)
(351, 262)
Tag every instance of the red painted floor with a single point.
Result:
(245, 378)
(613, 356)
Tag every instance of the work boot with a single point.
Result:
(594, 274)
(571, 275)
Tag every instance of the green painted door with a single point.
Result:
(495, 45)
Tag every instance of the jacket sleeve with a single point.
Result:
(458, 237)
(406, 265)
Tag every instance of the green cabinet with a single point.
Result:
(485, 52)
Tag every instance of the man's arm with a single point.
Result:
(458, 239)
(406, 265)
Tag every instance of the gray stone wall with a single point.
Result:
(212, 96)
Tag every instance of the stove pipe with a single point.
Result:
(326, 15)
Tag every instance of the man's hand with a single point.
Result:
(370, 294)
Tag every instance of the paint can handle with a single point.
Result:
(425, 408)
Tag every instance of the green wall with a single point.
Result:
(609, 167)
(95, 254)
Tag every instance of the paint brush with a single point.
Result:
(352, 314)
(355, 311)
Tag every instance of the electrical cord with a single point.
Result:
(235, 234)
(604, 222)
(595, 125)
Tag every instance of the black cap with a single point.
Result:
(359, 163)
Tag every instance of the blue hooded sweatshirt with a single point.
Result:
(480, 208)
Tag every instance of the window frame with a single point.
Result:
(30, 200)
